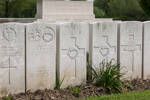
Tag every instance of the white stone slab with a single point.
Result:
(72, 53)
(64, 10)
(41, 56)
(104, 42)
(12, 58)
(131, 49)
(146, 50)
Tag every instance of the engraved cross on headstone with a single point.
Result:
(131, 47)
(105, 50)
(9, 67)
(73, 52)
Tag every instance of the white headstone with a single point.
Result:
(104, 42)
(12, 58)
(72, 53)
(146, 50)
(41, 56)
(54, 10)
(131, 49)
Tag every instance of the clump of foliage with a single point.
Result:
(75, 90)
(107, 75)
(128, 86)
(59, 82)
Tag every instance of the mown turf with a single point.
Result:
(139, 95)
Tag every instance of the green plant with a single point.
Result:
(59, 83)
(108, 75)
(128, 86)
(75, 90)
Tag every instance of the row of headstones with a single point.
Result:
(32, 54)
(29, 54)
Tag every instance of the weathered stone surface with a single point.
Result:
(12, 58)
(41, 56)
(131, 48)
(146, 61)
(104, 42)
(64, 10)
(72, 53)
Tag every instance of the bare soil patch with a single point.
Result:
(87, 90)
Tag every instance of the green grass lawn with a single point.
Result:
(140, 95)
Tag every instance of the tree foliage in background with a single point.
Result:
(101, 8)
(145, 4)
(99, 13)
(120, 9)
(126, 9)
(18, 8)
(117, 9)
(2, 9)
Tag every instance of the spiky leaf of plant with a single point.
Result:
(58, 82)
(108, 75)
